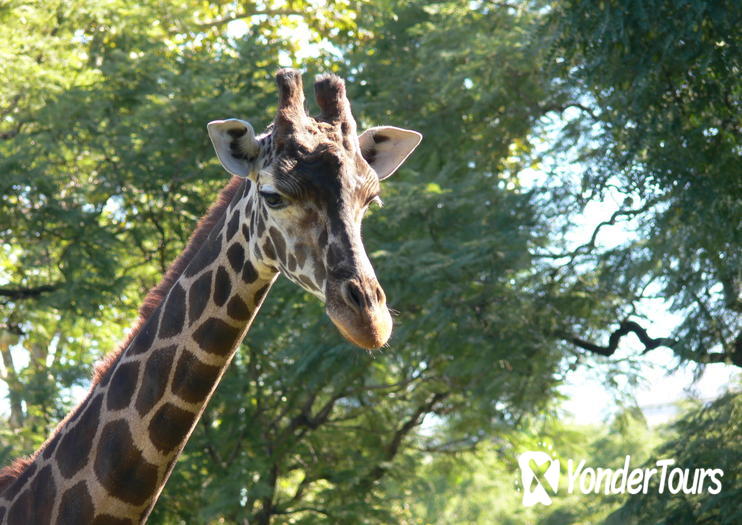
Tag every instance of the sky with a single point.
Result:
(663, 383)
(590, 401)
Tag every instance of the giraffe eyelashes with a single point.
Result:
(272, 198)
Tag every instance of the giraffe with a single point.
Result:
(293, 206)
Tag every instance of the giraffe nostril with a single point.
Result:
(380, 298)
(353, 296)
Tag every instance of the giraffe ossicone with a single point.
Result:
(294, 206)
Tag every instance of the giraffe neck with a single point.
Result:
(112, 457)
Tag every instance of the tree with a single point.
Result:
(704, 437)
(662, 82)
(106, 167)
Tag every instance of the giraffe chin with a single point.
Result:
(370, 332)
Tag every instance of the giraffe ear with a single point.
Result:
(385, 148)
(235, 145)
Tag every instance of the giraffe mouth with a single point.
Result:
(357, 307)
(366, 331)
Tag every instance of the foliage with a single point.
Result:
(705, 437)
(106, 167)
(662, 79)
(477, 486)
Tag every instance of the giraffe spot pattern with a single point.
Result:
(51, 447)
(21, 507)
(34, 505)
(300, 250)
(193, 380)
(14, 488)
(306, 281)
(76, 444)
(268, 250)
(146, 336)
(337, 227)
(292, 262)
(76, 505)
(245, 232)
(249, 275)
(320, 274)
(222, 286)
(233, 225)
(236, 256)
(246, 190)
(205, 256)
(310, 218)
(198, 296)
(173, 317)
(145, 513)
(260, 224)
(215, 336)
(122, 386)
(237, 309)
(279, 243)
(107, 519)
(170, 426)
(120, 467)
(216, 229)
(322, 239)
(261, 293)
(334, 257)
(155, 377)
(76, 415)
(43, 490)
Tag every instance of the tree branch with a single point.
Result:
(215, 457)
(590, 245)
(625, 327)
(564, 107)
(393, 447)
(29, 293)
(247, 14)
(651, 343)
(7, 135)
(303, 509)
(455, 446)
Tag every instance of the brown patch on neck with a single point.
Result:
(157, 294)
(153, 299)
(13, 471)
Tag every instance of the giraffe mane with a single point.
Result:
(157, 294)
(11, 472)
(153, 299)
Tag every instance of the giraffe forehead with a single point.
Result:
(326, 174)
(309, 134)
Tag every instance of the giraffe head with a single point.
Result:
(312, 180)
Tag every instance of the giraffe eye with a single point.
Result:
(272, 199)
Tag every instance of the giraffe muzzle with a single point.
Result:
(358, 310)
